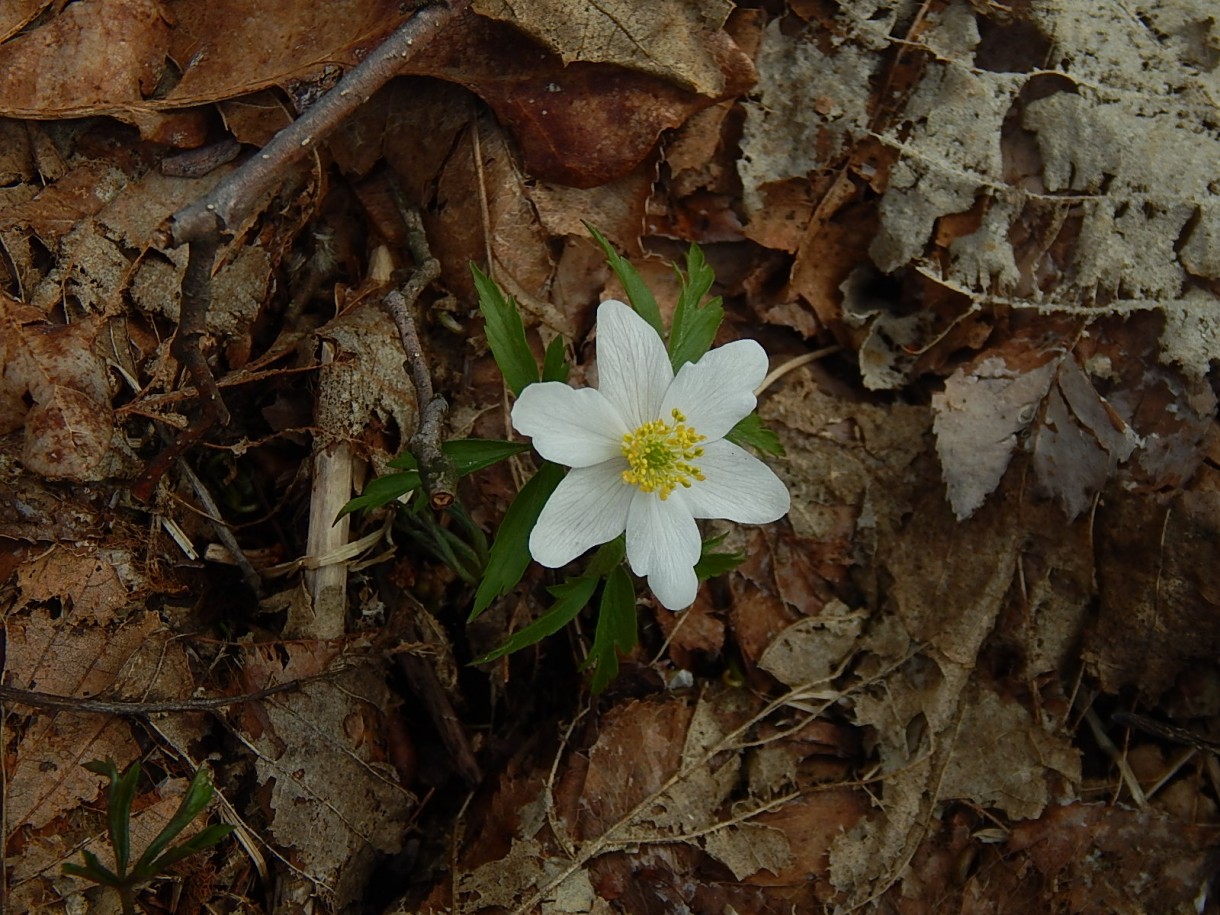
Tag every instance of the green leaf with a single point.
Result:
(616, 629)
(122, 792)
(751, 433)
(555, 365)
(382, 491)
(608, 556)
(204, 839)
(197, 797)
(711, 565)
(571, 597)
(94, 870)
(467, 454)
(505, 333)
(510, 554)
(695, 323)
(638, 293)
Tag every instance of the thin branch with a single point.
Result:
(436, 470)
(34, 699)
(231, 201)
(209, 221)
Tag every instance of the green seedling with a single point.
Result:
(159, 856)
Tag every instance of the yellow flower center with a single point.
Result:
(659, 455)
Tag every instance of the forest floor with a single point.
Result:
(973, 670)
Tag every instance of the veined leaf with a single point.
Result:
(695, 322)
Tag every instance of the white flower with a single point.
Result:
(648, 453)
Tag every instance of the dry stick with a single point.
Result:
(436, 470)
(211, 219)
(34, 699)
(233, 199)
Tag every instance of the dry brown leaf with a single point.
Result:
(90, 582)
(135, 660)
(333, 800)
(367, 381)
(1157, 573)
(226, 49)
(582, 123)
(1092, 858)
(672, 39)
(88, 59)
(980, 416)
(1079, 442)
(69, 426)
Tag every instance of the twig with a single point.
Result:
(223, 531)
(212, 219)
(231, 201)
(436, 470)
(34, 699)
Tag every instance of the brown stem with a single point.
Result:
(33, 699)
(231, 201)
(436, 470)
(210, 220)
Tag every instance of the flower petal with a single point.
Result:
(588, 508)
(576, 427)
(717, 392)
(632, 365)
(738, 487)
(663, 543)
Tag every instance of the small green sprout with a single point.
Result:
(158, 857)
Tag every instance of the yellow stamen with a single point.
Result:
(659, 455)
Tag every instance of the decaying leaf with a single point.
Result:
(56, 386)
(134, 660)
(334, 801)
(979, 418)
(672, 39)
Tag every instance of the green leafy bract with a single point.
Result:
(638, 293)
(555, 365)
(695, 322)
(570, 598)
(712, 564)
(505, 333)
(616, 628)
(510, 553)
(751, 433)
